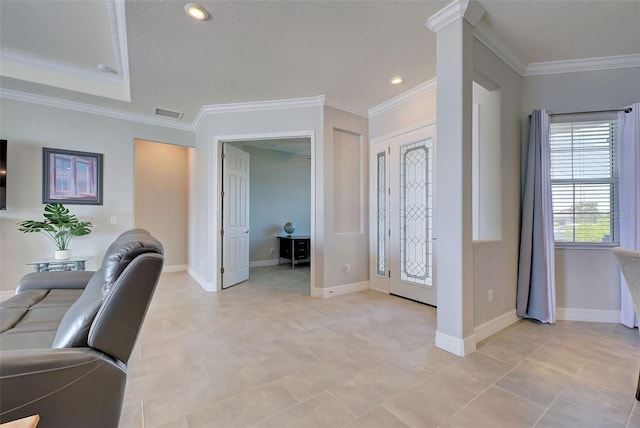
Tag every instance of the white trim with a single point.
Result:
(262, 263)
(215, 183)
(493, 326)
(459, 347)
(470, 10)
(587, 64)
(91, 109)
(483, 33)
(207, 286)
(340, 290)
(405, 97)
(174, 268)
(206, 110)
(588, 315)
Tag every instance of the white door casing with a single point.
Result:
(235, 215)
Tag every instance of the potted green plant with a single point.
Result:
(60, 226)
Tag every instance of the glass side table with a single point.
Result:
(52, 265)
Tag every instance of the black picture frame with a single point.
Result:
(71, 177)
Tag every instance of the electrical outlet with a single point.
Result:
(490, 295)
(273, 250)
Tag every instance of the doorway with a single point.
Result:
(403, 186)
(278, 189)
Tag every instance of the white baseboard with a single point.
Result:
(174, 268)
(493, 326)
(262, 263)
(207, 286)
(459, 347)
(340, 289)
(588, 315)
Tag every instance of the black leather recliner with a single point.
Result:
(66, 337)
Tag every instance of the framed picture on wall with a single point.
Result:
(71, 177)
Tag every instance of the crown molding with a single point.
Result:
(576, 65)
(46, 71)
(207, 110)
(91, 109)
(483, 33)
(470, 10)
(118, 21)
(423, 88)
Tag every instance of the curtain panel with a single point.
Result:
(629, 198)
(536, 296)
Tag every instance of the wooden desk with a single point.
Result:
(295, 248)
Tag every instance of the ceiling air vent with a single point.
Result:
(168, 113)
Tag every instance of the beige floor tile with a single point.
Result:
(290, 361)
(367, 390)
(497, 408)
(560, 357)
(424, 361)
(245, 409)
(508, 350)
(429, 403)
(154, 385)
(321, 411)
(475, 372)
(535, 382)
(209, 359)
(181, 401)
(563, 414)
(325, 374)
(606, 399)
(378, 418)
(131, 416)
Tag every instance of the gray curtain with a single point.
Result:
(536, 296)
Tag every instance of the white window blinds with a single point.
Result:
(584, 181)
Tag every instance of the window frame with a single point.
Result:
(614, 180)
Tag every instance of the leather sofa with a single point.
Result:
(66, 337)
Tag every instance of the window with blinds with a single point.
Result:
(584, 181)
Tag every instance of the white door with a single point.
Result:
(403, 188)
(235, 215)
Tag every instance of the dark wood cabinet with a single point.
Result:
(295, 249)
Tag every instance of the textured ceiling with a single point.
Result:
(257, 51)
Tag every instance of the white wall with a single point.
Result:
(28, 127)
(162, 197)
(586, 280)
(280, 191)
(247, 124)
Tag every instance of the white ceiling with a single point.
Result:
(258, 51)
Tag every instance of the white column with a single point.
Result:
(454, 267)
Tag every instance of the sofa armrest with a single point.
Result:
(66, 387)
(50, 280)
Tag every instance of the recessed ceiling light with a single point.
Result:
(196, 12)
(396, 80)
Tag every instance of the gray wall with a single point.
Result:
(280, 191)
(496, 262)
(586, 280)
(28, 127)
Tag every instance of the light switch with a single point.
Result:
(114, 219)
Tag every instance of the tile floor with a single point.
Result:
(263, 354)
